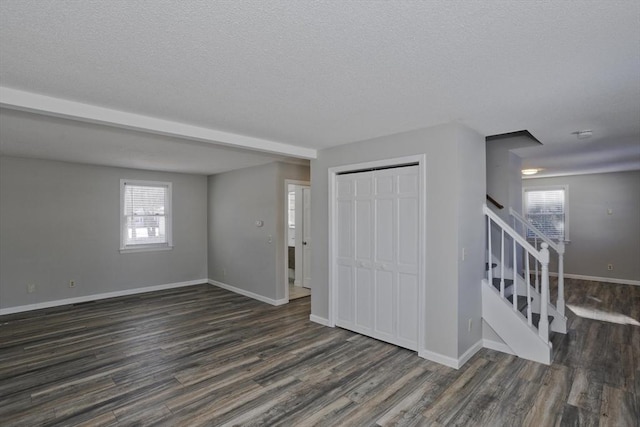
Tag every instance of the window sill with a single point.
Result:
(144, 248)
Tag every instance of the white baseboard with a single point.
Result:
(450, 361)
(320, 320)
(439, 358)
(249, 294)
(599, 279)
(95, 297)
(497, 346)
(469, 353)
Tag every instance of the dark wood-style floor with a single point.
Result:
(205, 356)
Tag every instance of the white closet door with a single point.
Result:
(377, 254)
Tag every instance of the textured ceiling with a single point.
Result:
(324, 73)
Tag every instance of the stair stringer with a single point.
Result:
(512, 327)
(559, 323)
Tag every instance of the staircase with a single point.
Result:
(515, 293)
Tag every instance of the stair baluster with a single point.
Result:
(515, 277)
(502, 263)
(543, 326)
(560, 300)
(527, 280)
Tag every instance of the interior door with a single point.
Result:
(377, 254)
(306, 237)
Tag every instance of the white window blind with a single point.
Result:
(546, 210)
(146, 210)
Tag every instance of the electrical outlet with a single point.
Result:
(464, 253)
(72, 283)
(31, 288)
(610, 267)
(470, 324)
(224, 272)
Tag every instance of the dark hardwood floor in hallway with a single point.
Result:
(205, 356)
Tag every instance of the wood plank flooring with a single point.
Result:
(205, 356)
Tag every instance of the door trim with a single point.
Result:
(286, 231)
(421, 160)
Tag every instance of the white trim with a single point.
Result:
(469, 353)
(320, 320)
(168, 216)
(421, 159)
(146, 248)
(439, 358)
(57, 107)
(248, 293)
(450, 361)
(599, 279)
(96, 297)
(497, 346)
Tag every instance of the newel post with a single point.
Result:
(560, 301)
(543, 326)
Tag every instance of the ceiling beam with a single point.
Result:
(58, 107)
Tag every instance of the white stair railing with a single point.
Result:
(538, 239)
(540, 256)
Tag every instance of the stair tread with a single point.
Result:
(535, 319)
(521, 303)
(507, 283)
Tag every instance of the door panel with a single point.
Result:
(364, 298)
(363, 225)
(408, 231)
(385, 306)
(345, 295)
(385, 224)
(408, 307)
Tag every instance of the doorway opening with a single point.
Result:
(298, 237)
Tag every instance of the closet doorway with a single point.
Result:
(377, 247)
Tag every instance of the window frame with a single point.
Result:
(168, 215)
(563, 187)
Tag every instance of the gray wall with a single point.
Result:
(60, 221)
(504, 172)
(455, 182)
(598, 239)
(239, 253)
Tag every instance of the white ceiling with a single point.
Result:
(292, 77)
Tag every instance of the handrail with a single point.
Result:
(494, 202)
(521, 240)
(559, 248)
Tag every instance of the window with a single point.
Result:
(292, 209)
(546, 208)
(145, 221)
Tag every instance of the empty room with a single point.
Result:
(301, 213)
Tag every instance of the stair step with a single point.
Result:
(535, 319)
(496, 283)
(521, 303)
